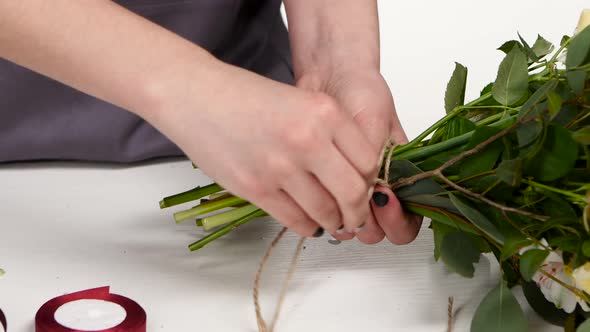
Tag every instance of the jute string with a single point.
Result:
(262, 325)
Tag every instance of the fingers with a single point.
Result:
(399, 227)
(311, 196)
(285, 210)
(357, 149)
(371, 233)
(346, 185)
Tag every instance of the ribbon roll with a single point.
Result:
(89, 306)
(3, 321)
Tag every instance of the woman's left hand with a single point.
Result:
(365, 94)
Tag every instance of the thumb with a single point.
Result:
(399, 226)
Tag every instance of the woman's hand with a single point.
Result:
(294, 153)
(364, 94)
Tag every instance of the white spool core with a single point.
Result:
(90, 315)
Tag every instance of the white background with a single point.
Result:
(68, 227)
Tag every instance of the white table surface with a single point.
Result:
(71, 226)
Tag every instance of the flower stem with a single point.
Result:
(430, 150)
(439, 123)
(229, 216)
(207, 208)
(190, 195)
(555, 190)
(225, 230)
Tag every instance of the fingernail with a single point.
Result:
(334, 241)
(319, 232)
(359, 229)
(340, 230)
(380, 199)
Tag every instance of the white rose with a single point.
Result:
(584, 20)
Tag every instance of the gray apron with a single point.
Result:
(41, 119)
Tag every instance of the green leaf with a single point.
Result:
(441, 216)
(554, 104)
(485, 159)
(582, 135)
(455, 94)
(555, 206)
(512, 80)
(584, 327)
(566, 115)
(530, 262)
(510, 171)
(530, 105)
(556, 157)
(553, 223)
(481, 134)
(564, 40)
(578, 49)
(576, 79)
(509, 45)
(528, 134)
(404, 168)
(439, 231)
(457, 126)
(542, 47)
(528, 50)
(512, 246)
(434, 201)
(459, 253)
(499, 311)
(478, 219)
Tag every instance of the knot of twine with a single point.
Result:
(387, 150)
(262, 325)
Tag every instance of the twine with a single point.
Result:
(450, 314)
(262, 325)
(385, 180)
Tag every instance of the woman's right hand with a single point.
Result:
(295, 154)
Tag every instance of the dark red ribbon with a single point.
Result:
(134, 322)
(3, 321)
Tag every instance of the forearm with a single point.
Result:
(97, 47)
(333, 33)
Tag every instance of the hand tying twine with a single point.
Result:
(262, 325)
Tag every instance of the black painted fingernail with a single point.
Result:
(380, 199)
(319, 232)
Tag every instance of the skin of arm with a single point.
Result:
(36, 34)
(245, 131)
(336, 50)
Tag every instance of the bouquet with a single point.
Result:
(507, 174)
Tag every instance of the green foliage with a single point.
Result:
(512, 80)
(512, 246)
(530, 262)
(455, 94)
(510, 171)
(478, 219)
(499, 311)
(556, 156)
(459, 253)
(582, 135)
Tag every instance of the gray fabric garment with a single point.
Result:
(42, 119)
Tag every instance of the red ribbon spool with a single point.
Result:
(135, 321)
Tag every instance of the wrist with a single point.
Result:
(160, 90)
